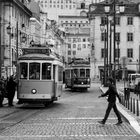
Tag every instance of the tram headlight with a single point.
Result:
(88, 80)
(34, 91)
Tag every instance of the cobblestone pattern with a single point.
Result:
(69, 128)
(73, 118)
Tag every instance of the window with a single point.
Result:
(79, 47)
(23, 70)
(74, 45)
(79, 39)
(118, 53)
(69, 52)
(69, 59)
(130, 21)
(67, 73)
(34, 69)
(84, 40)
(76, 73)
(84, 45)
(130, 53)
(82, 72)
(74, 52)
(129, 36)
(60, 73)
(46, 71)
(103, 36)
(102, 53)
(87, 72)
(117, 20)
(82, 5)
(69, 46)
(103, 20)
(118, 36)
(74, 39)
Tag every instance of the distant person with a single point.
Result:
(1, 92)
(11, 88)
(35, 74)
(111, 93)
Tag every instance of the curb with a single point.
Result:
(132, 121)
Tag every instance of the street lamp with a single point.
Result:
(110, 53)
(114, 8)
(118, 54)
(103, 30)
(10, 49)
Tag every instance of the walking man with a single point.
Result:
(111, 93)
(11, 88)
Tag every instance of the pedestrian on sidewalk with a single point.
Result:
(11, 88)
(112, 94)
(1, 92)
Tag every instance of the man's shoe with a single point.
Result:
(101, 122)
(119, 123)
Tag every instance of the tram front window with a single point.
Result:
(34, 69)
(87, 73)
(23, 70)
(46, 71)
(82, 73)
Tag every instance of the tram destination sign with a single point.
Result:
(36, 51)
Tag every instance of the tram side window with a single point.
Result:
(60, 73)
(67, 73)
(75, 72)
(82, 72)
(34, 69)
(23, 70)
(87, 72)
(46, 71)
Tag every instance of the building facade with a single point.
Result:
(56, 8)
(127, 36)
(77, 36)
(15, 17)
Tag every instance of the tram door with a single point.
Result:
(54, 77)
(57, 82)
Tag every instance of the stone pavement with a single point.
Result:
(74, 117)
(131, 118)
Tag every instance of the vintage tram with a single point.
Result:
(40, 76)
(77, 74)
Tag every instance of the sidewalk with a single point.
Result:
(129, 116)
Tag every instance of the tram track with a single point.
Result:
(16, 117)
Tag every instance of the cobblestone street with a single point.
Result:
(73, 117)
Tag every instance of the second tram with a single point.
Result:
(77, 75)
(40, 76)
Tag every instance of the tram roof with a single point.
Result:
(37, 57)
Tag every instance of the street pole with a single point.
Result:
(110, 49)
(114, 41)
(10, 54)
(118, 57)
(105, 38)
(107, 45)
(0, 48)
(17, 49)
(139, 58)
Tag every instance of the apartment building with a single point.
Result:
(14, 17)
(54, 8)
(127, 33)
(77, 36)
